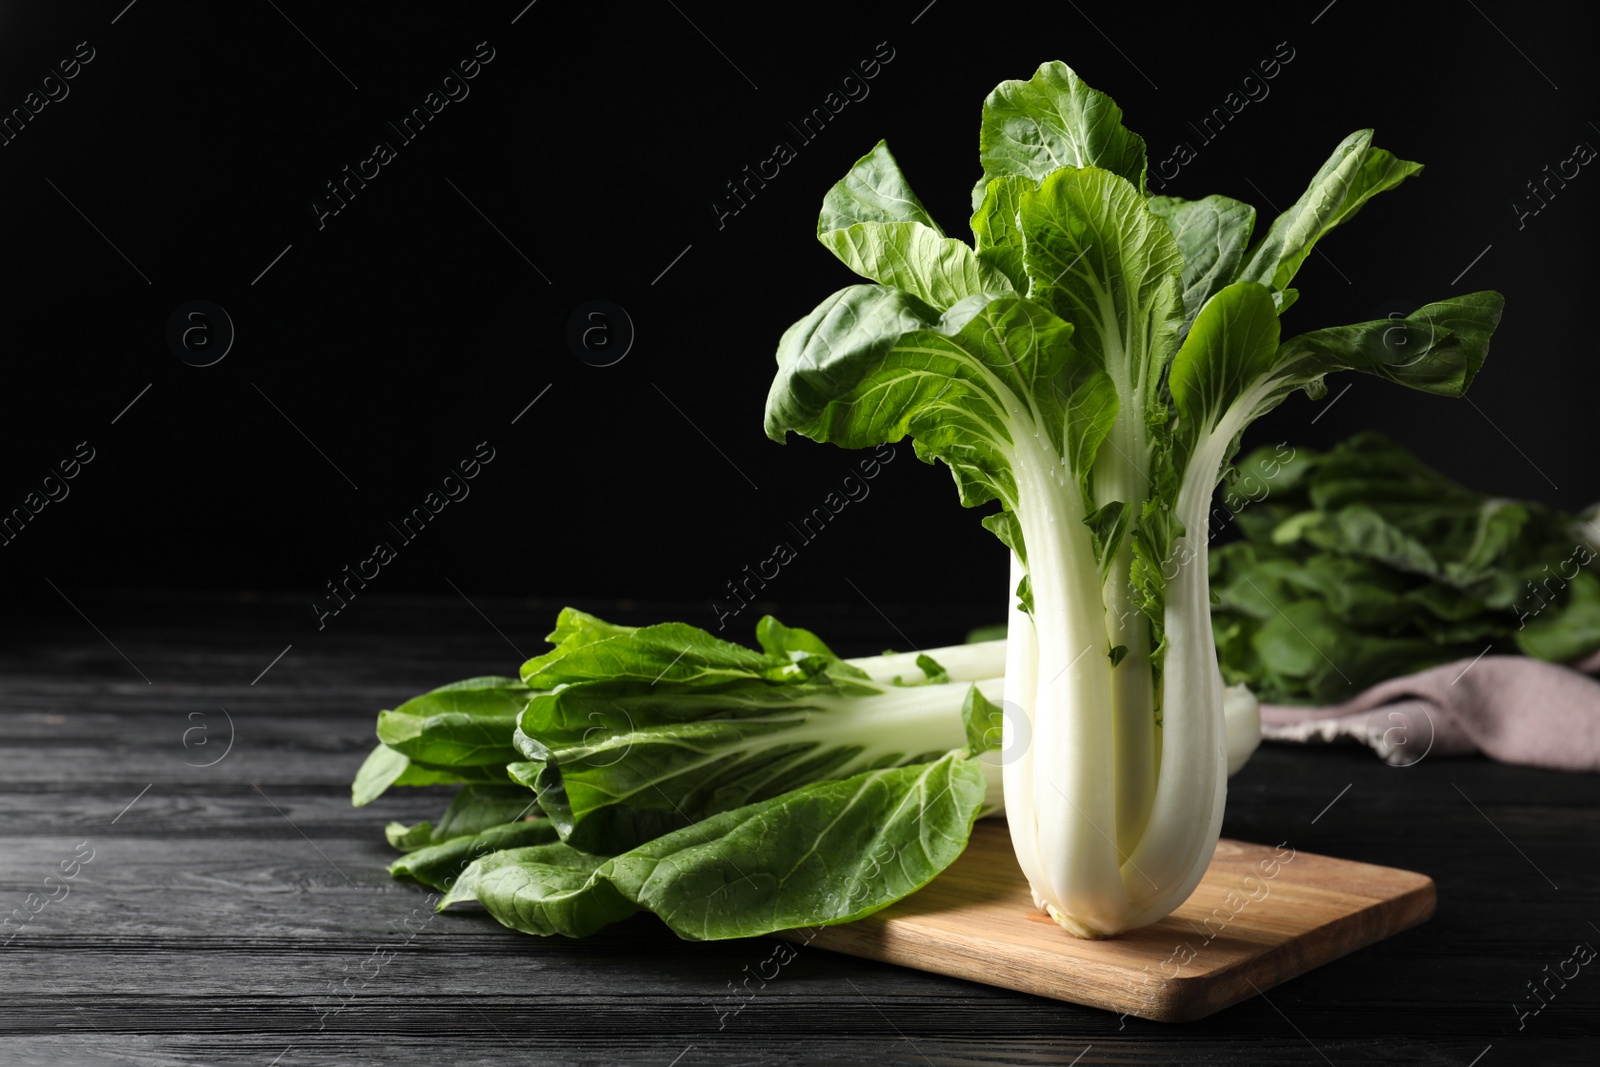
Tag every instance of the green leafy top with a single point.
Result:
(588, 648)
(1053, 120)
(631, 750)
(1109, 339)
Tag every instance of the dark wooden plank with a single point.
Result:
(208, 928)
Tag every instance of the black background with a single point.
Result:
(414, 324)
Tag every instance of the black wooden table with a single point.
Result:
(165, 911)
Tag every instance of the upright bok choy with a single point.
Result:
(1090, 363)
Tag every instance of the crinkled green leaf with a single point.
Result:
(1024, 593)
(385, 767)
(670, 651)
(574, 628)
(1228, 374)
(961, 387)
(776, 639)
(544, 889)
(996, 232)
(1437, 349)
(1053, 120)
(468, 723)
(1004, 525)
(827, 353)
(1212, 235)
(438, 865)
(984, 722)
(933, 674)
(828, 853)
(1231, 349)
(874, 190)
(1354, 174)
(474, 808)
(914, 258)
(1109, 525)
(382, 768)
(1101, 260)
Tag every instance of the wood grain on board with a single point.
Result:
(1260, 916)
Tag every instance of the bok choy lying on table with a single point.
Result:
(728, 790)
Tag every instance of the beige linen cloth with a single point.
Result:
(1510, 708)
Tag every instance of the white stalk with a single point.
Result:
(1192, 786)
(1066, 817)
(1243, 712)
(1021, 682)
(1186, 816)
(963, 663)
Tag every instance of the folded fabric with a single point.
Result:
(1510, 708)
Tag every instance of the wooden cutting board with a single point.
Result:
(1261, 916)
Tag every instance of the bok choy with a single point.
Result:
(731, 791)
(1090, 363)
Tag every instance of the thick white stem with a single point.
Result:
(1121, 475)
(963, 663)
(1192, 785)
(1071, 760)
(1021, 683)
(1243, 712)
(1132, 705)
(1186, 817)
